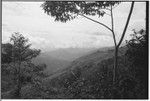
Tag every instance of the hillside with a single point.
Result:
(53, 64)
(59, 59)
(93, 57)
(96, 57)
(69, 54)
(84, 75)
(89, 76)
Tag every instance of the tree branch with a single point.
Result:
(96, 22)
(128, 19)
(112, 22)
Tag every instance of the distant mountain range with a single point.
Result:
(85, 76)
(61, 58)
(89, 62)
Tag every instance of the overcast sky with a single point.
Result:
(43, 32)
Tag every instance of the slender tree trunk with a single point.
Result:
(18, 90)
(115, 64)
(116, 49)
(117, 46)
(112, 30)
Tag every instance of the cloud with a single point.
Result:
(29, 19)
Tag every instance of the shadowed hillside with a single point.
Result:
(53, 64)
(61, 58)
(69, 54)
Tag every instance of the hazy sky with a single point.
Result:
(43, 32)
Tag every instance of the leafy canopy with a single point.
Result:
(19, 51)
(68, 10)
(21, 48)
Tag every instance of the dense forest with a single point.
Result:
(89, 76)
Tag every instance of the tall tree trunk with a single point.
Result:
(117, 46)
(112, 30)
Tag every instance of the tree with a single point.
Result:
(68, 10)
(137, 54)
(22, 55)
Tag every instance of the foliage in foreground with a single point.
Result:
(18, 71)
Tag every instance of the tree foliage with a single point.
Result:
(138, 48)
(68, 10)
(137, 54)
(17, 63)
(21, 48)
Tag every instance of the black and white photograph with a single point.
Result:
(74, 49)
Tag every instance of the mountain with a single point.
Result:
(52, 63)
(97, 56)
(86, 76)
(69, 54)
(60, 58)
(87, 60)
